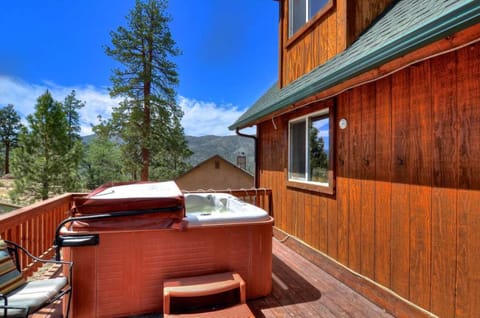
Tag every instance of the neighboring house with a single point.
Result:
(389, 92)
(215, 173)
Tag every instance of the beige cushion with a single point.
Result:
(33, 295)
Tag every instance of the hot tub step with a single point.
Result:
(204, 285)
(237, 311)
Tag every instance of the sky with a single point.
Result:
(229, 56)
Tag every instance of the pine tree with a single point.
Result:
(9, 129)
(149, 113)
(42, 163)
(318, 156)
(103, 158)
(71, 106)
(171, 161)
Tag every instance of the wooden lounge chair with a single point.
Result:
(19, 298)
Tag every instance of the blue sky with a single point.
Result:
(230, 55)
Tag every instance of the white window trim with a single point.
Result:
(305, 118)
(308, 20)
(306, 15)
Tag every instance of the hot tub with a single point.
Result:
(123, 275)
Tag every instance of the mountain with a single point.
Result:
(229, 147)
(204, 147)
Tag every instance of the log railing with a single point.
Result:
(33, 227)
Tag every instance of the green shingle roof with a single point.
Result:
(407, 26)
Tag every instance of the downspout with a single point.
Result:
(254, 137)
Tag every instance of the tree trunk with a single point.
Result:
(147, 91)
(146, 164)
(7, 158)
(146, 134)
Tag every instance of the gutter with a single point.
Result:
(255, 140)
(458, 19)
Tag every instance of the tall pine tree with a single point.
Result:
(71, 107)
(9, 129)
(149, 113)
(42, 163)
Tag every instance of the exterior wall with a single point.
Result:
(208, 176)
(338, 27)
(406, 208)
(361, 14)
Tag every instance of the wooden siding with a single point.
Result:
(360, 14)
(327, 36)
(406, 209)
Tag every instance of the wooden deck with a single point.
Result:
(300, 289)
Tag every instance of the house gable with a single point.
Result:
(215, 173)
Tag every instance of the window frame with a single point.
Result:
(314, 186)
(292, 37)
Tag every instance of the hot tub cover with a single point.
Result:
(113, 198)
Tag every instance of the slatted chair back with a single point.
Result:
(10, 275)
(19, 298)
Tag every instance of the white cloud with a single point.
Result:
(200, 118)
(24, 96)
(207, 118)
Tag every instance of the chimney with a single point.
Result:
(242, 161)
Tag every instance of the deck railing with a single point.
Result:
(34, 226)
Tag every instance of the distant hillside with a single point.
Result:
(204, 147)
(229, 147)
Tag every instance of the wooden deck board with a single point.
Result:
(300, 289)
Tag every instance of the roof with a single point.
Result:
(405, 27)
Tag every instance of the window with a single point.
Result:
(302, 11)
(309, 150)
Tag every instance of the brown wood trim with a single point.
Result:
(307, 26)
(374, 292)
(280, 41)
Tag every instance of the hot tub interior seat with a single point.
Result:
(219, 208)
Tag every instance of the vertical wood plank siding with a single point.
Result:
(326, 37)
(468, 195)
(445, 183)
(406, 211)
